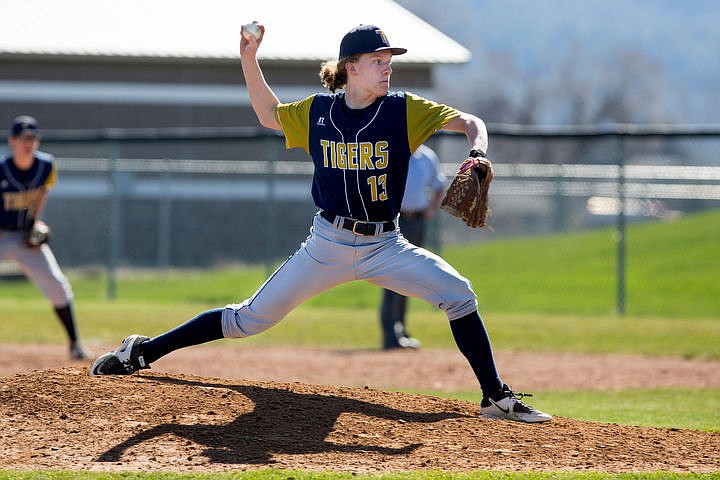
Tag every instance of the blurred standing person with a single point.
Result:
(26, 176)
(421, 201)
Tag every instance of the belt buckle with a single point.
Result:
(364, 232)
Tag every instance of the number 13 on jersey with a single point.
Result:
(378, 187)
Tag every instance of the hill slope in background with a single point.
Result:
(63, 419)
(670, 268)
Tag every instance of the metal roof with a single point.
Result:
(296, 30)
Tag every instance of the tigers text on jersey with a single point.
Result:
(21, 191)
(361, 155)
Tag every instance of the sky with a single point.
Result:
(664, 54)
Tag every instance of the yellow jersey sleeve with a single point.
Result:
(294, 119)
(425, 117)
(52, 178)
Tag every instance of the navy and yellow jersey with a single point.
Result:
(21, 192)
(361, 156)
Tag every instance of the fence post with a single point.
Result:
(164, 229)
(115, 229)
(620, 231)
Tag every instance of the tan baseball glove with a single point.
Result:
(37, 235)
(467, 196)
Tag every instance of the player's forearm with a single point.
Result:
(262, 97)
(473, 128)
(436, 199)
(40, 206)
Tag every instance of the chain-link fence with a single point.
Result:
(197, 198)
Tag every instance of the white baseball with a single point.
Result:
(251, 29)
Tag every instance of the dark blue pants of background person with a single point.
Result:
(394, 305)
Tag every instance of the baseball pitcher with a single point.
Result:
(360, 137)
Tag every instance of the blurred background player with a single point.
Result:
(26, 176)
(423, 193)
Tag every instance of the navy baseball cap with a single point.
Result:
(366, 39)
(24, 123)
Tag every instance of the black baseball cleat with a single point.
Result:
(506, 404)
(125, 360)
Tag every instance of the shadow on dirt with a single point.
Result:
(282, 422)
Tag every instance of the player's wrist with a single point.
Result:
(477, 153)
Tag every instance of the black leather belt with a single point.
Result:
(360, 228)
(412, 215)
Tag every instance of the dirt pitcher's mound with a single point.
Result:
(63, 419)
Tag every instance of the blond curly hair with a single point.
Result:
(333, 74)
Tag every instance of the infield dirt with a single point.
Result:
(212, 409)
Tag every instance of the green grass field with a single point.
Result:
(671, 272)
(547, 293)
